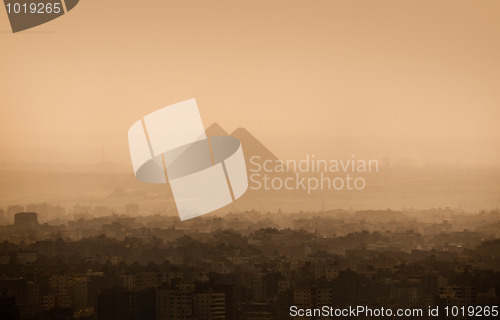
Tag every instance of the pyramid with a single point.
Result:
(118, 193)
(215, 130)
(252, 146)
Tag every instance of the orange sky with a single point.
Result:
(403, 79)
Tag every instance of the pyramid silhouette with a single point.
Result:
(251, 145)
(215, 130)
(118, 193)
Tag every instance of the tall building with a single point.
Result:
(210, 306)
(175, 303)
(26, 220)
(79, 292)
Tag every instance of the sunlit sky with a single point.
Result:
(402, 79)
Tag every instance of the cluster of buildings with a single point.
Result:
(245, 266)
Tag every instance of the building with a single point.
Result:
(458, 295)
(210, 306)
(175, 303)
(119, 303)
(26, 220)
(187, 301)
(26, 257)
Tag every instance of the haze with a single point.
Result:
(393, 79)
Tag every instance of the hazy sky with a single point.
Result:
(417, 79)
